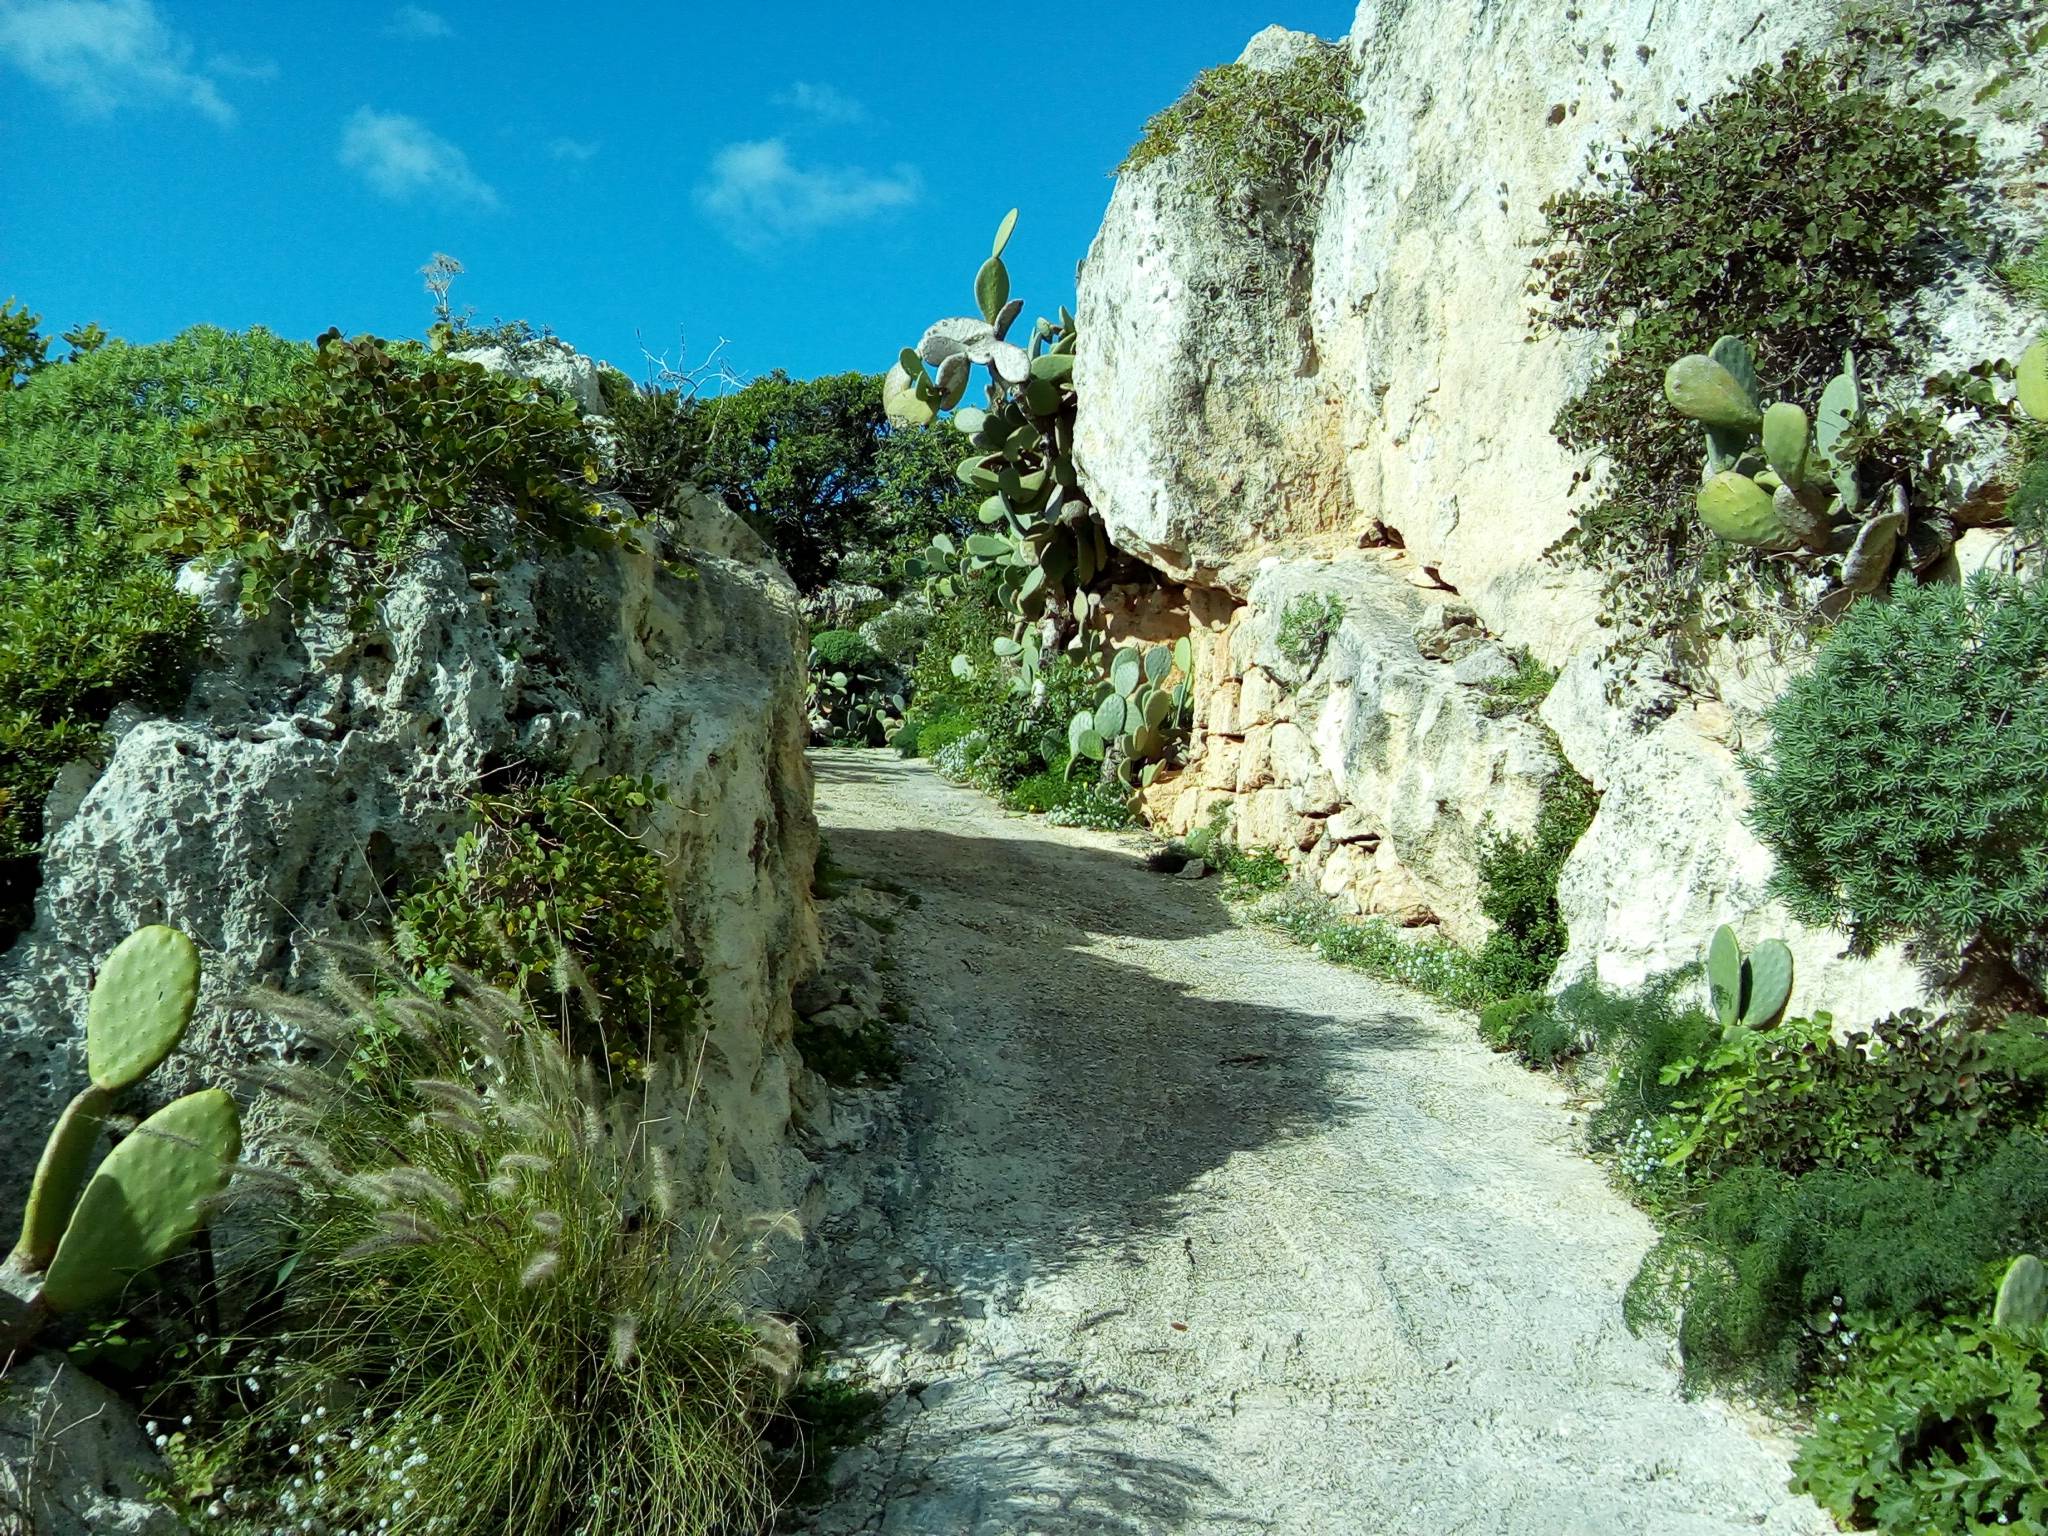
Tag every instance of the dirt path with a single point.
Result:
(1172, 1228)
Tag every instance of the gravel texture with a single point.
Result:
(1170, 1227)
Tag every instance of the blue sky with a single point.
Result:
(812, 183)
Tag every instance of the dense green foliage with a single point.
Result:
(1518, 893)
(1245, 132)
(554, 894)
(1905, 789)
(495, 1318)
(23, 348)
(327, 489)
(1938, 1433)
(88, 449)
(1795, 210)
(817, 471)
(857, 695)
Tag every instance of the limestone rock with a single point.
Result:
(553, 363)
(73, 1460)
(1204, 434)
(314, 773)
(1361, 384)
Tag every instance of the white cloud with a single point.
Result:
(418, 24)
(230, 66)
(825, 103)
(401, 157)
(759, 195)
(102, 54)
(574, 150)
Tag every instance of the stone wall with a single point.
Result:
(317, 769)
(1380, 405)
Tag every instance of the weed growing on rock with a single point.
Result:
(329, 489)
(1307, 623)
(1528, 687)
(1245, 132)
(497, 1318)
(1519, 893)
(554, 894)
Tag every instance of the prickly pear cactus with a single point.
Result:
(82, 1241)
(2031, 376)
(2023, 1294)
(1783, 485)
(1747, 991)
(1040, 543)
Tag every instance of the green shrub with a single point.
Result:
(653, 453)
(1306, 624)
(384, 446)
(1764, 1267)
(1249, 872)
(1531, 1026)
(1913, 1092)
(1796, 209)
(495, 1318)
(1647, 1036)
(553, 894)
(1102, 805)
(1938, 1432)
(842, 648)
(1519, 894)
(1042, 791)
(1905, 787)
(1432, 966)
(86, 621)
(1243, 132)
(1530, 685)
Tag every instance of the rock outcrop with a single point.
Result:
(1365, 386)
(318, 768)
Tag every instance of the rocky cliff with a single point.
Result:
(319, 767)
(1353, 401)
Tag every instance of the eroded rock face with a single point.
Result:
(1376, 758)
(1379, 385)
(316, 772)
(73, 1460)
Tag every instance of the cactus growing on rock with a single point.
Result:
(1133, 721)
(82, 1239)
(1775, 482)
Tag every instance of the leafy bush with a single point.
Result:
(22, 346)
(329, 489)
(1244, 132)
(1765, 1267)
(496, 1317)
(1432, 966)
(1914, 1092)
(553, 894)
(1905, 788)
(1939, 1432)
(1249, 872)
(1306, 624)
(1519, 894)
(86, 621)
(1797, 209)
(653, 453)
(842, 648)
(1645, 1035)
(1530, 1026)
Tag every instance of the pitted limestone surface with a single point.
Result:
(1172, 1228)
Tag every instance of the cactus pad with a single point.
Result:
(144, 1204)
(140, 1007)
(2023, 1294)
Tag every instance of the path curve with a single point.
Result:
(1172, 1227)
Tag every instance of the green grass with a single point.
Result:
(495, 1319)
(1530, 685)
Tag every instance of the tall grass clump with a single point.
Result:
(496, 1318)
